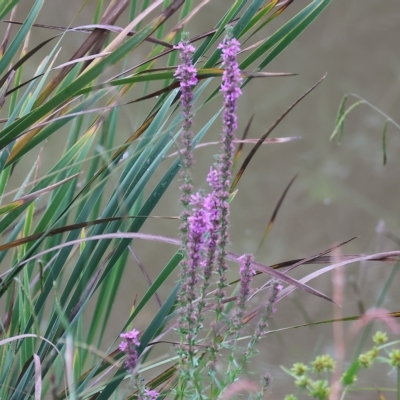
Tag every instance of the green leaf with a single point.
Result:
(149, 333)
(89, 75)
(20, 36)
(343, 117)
(384, 142)
(286, 34)
(339, 116)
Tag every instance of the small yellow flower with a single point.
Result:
(303, 382)
(374, 352)
(380, 338)
(299, 369)
(394, 358)
(364, 360)
(323, 363)
(321, 390)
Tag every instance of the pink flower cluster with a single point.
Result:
(129, 347)
(186, 74)
(205, 225)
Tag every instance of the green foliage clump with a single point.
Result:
(325, 365)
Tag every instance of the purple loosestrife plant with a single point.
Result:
(259, 332)
(149, 395)
(220, 177)
(129, 347)
(209, 262)
(198, 226)
(246, 276)
(265, 316)
(186, 75)
(204, 232)
(231, 81)
(246, 273)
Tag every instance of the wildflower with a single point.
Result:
(149, 395)
(186, 75)
(320, 390)
(231, 81)
(219, 177)
(262, 324)
(209, 261)
(323, 363)
(211, 203)
(366, 359)
(198, 226)
(129, 347)
(266, 381)
(246, 275)
(380, 338)
(303, 382)
(394, 358)
(299, 369)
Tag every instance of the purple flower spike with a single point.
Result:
(186, 75)
(129, 347)
(198, 226)
(231, 81)
(246, 275)
(149, 395)
(221, 179)
(266, 315)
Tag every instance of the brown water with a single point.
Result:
(341, 191)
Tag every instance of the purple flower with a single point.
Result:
(129, 347)
(246, 275)
(231, 81)
(266, 315)
(266, 381)
(149, 395)
(186, 75)
(221, 178)
(198, 226)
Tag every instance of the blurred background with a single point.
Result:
(342, 190)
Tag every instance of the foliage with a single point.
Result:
(323, 366)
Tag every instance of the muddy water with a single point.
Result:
(342, 191)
